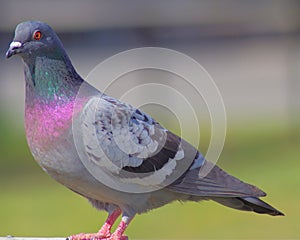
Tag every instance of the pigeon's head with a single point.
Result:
(34, 38)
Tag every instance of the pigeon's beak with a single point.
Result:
(14, 48)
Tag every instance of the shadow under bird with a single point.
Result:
(121, 139)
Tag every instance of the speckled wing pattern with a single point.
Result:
(120, 137)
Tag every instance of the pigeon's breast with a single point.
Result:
(50, 138)
(47, 124)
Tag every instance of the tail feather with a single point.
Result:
(249, 204)
(217, 183)
(221, 187)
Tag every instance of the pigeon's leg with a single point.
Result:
(112, 217)
(118, 233)
(104, 232)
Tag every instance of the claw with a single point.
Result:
(114, 237)
(95, 236)
(83, 236)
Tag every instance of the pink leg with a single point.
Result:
(118, 234)
(104, 232)
(105, 229)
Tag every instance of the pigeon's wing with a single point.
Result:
(121, 138)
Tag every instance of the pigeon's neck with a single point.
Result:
(51, 89)
(49, 80)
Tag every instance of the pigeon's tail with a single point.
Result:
(221, 187)
(249, 204)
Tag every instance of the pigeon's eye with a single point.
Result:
(37, 35)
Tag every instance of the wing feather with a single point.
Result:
(129, 138)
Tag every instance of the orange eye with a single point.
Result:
(37, 35)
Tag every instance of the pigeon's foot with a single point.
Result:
(118, 234)
(104, 233)
(82, 236)
(112, 237)
(96, 236)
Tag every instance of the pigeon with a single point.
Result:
(115, 155)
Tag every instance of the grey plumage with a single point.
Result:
(120, 141)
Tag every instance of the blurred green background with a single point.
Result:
(252, 51)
